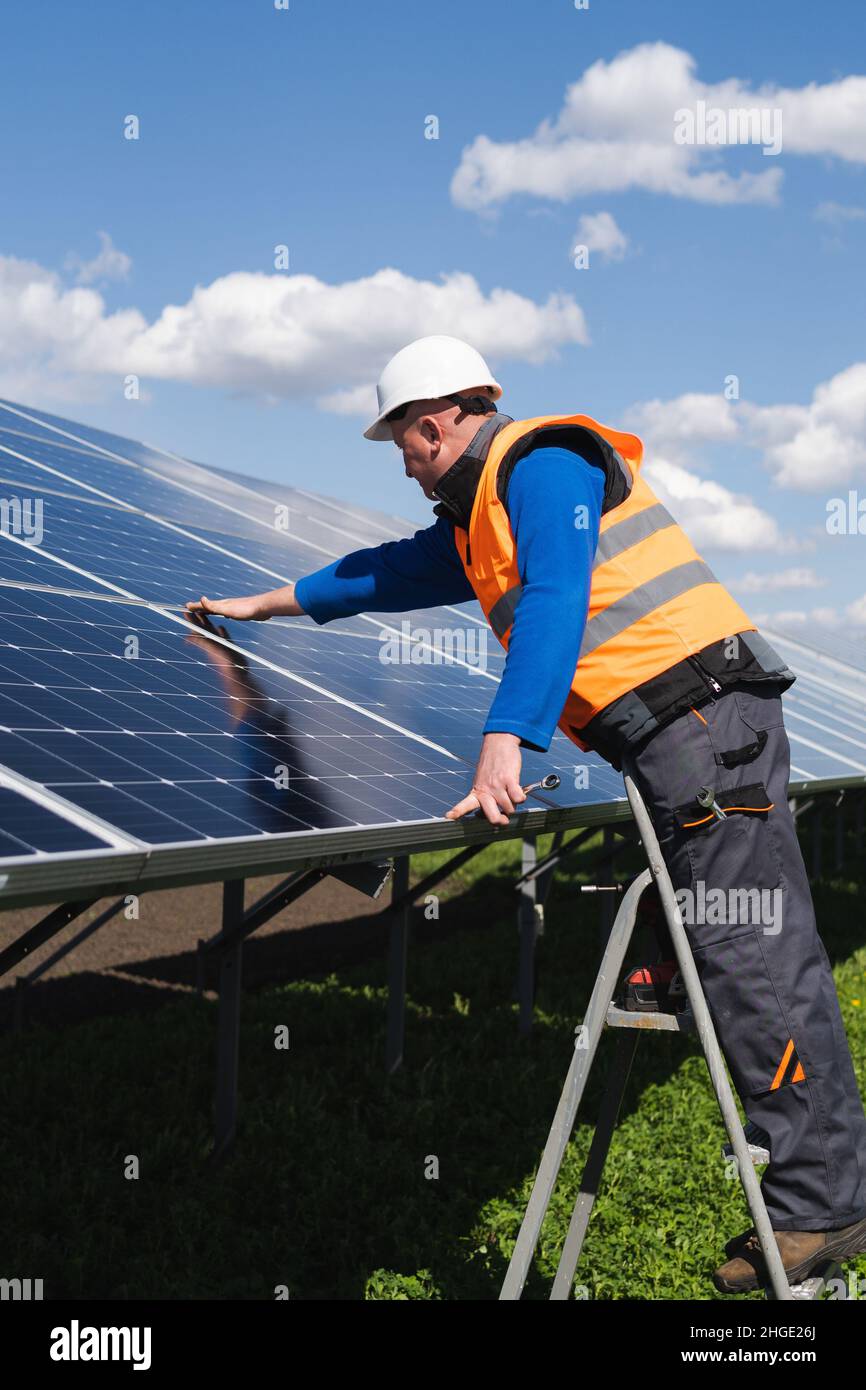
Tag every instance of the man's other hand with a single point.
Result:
(496, 788)
(241, 609)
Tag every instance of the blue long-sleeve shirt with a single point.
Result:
(554, 504)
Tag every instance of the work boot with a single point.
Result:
(735, 1242)
(801, 1252)
(653, 988)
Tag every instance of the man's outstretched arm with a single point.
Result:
(421, 571)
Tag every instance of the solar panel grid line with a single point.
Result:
(43, 796)
(802, 773)
(195, 492)
(256, 856)
(232, 646)
(798, 704)
(830, 753)
(814, 653)
(86, 450)
(464, 615)
(350, 535)
(198, 493)
(48, 491)
(98, 598)
(399, 681)
(341, 507)
(414, 638)
(241, 559)
(848, 699)
(851, 690)
(794, 701)
(117, 458)
(832, 686)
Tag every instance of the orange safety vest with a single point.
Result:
(652, 602)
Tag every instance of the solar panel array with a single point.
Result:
(133, 744)
(825, 715)
(123, 730)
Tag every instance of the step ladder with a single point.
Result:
(748, 1146)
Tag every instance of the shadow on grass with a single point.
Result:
(328, 1190)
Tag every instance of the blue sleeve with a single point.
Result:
(421, 571)
(554, 505)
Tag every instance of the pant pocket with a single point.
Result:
(759, 707)
(735, 864)
(751, 1025)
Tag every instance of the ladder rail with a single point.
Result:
(578, 1071)
(710, 1044)
(572, 1091)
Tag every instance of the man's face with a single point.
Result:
(421, 446)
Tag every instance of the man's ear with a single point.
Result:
(432, 431)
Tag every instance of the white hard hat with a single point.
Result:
(424, 370)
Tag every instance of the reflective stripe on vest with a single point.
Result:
(620, 537)
(501, 615)
(646, 598)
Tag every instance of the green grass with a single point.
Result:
(325, 1189)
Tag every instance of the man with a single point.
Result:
(617, 632)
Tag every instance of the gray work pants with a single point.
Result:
(747, 910)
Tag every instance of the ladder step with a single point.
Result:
(814, 1286)
(758, 1141)
(683, 1022)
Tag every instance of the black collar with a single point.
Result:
(456, 489)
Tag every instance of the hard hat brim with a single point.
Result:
(381, 430)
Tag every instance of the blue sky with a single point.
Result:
(305, 127)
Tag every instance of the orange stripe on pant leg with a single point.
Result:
(777, 1079)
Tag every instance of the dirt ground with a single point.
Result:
(137, 965)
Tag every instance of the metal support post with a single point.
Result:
(229, 1019)
(527, 926)
(398, 951)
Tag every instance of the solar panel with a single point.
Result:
(30, 828)
(129, 739)
(825, 716)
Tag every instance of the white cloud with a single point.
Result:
(809, 447)
(357, 400)
(615, 131)
(820, 445)
(714, 517)
(793, 618)
(109, 264)
(672, 427)
(801, 577)
(856, 611)
(829, 619)
(836, 213)
(599, 232)
(270, 335)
